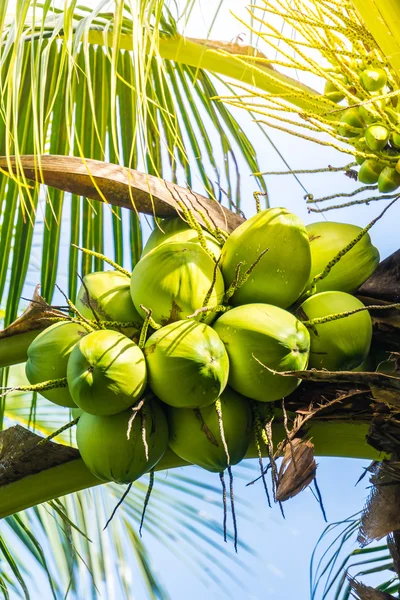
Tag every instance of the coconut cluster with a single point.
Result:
(181, 352)
(370, 120)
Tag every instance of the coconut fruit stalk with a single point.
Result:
(327, 238)
(177, 230)
(187, 364)
(282, 273)
(48, 357)
(108, 452)
(195, 435)
(106, 295)
(106, 373)
(341, 344)
(266, 334)
(174, 280)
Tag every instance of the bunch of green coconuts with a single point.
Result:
(371, 122)
(223, 321)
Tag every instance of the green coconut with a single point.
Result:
(369, 171)
(373, 79)
(270, 335)
(395, 139)
(110, 455)
(332, 92)
(194, 435)
(191, 355)
(340, 345)
(327, 238)
(48, 356)
(282, 273)
(177, 230)
(351, 123)
(173, 281)
(106, 373)
(108, 294)
(389, 180)
(376, 136)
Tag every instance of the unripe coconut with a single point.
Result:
(332, 92)
(395, 140)
(373, 79)
(106, 373)
(173, 281)
(327, 238)
(369, 171)
(177, 230)
(194, 435)
(76, 413)
(282, 273)
(110, 298)
(187, 364)
(109, 455)
(350, 121)
(389, 180)
(376, 136)
(48, 357)
(339, 345)
(271, 335)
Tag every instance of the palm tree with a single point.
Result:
(124, 87)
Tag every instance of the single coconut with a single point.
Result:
(389, 180)
(177, 230)
(266, 334)
(187, 364)
(109, 454)
(327, 238)
(369, 171)
(195, 436)
(377, 136)
(342, 344)
(351, 123)
(282, 273)
(106, 373)
(106, 295)
(334, 93)
(48, 356)
(173, 281)
(373, 79)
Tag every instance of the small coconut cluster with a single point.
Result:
(183, 351)
(370, 119)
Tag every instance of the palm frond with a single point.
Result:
(333, 560)
(72, 85)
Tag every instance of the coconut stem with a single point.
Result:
(222, 479)
(143, 418)
(257, 199)
(151, 321)
(194, 224)
(124, 495)
(233, 286)
(235, 532)
(145, 327)
(135, 409)
(213, 282)
(209, 309)
(248, 272)
(328, 169)
(258, 429)
(85, 322)
(43, 386)
(58, 432)
(146, 500)
(349, 246)
(102, 257)
(334, 317)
